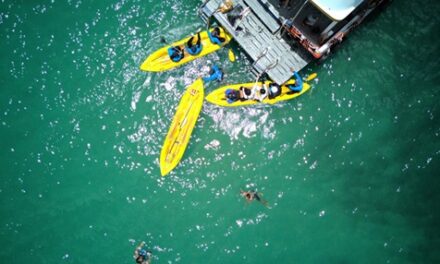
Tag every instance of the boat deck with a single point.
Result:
(261, 39)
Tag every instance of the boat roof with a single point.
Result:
(337, 9)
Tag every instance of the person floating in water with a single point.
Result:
(253, 195)
(214, 74)
(142, 255)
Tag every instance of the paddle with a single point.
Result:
(231, 55)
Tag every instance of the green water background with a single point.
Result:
(350, 169)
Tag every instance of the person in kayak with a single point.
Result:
(274, 90)
(214, 74)
(232, 96)
(176, 53)
(244, 93)
(194, 48)
(141, 255)
(297, 86)
(215, 37)
(262, 93)
(253, 195)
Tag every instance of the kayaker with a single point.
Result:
(232, 96)
(196, 48)
(214, 74)
(176, 53)
(274, 90)
(141, 255)
(246, 93)
(215, 37)
(253, 195)
(297, 86)
(262, 93)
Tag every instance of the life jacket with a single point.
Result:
(176, 53)
(297, 87)
(214, 74)
(194, 50)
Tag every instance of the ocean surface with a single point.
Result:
(350, 169)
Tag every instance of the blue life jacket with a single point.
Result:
(297, 87)
(143, 252)
(214, 39)
(216, 74)
(176, 54)
(194, 50)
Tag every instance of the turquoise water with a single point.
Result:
(350, 169)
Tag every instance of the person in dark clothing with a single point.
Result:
(194, 48)
(215, 36)
(253, 195)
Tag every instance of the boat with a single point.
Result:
(218, 96)
(181, 127)
(160, 60)
(288, 34)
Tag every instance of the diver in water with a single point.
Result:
(253, 195)
(141, 255)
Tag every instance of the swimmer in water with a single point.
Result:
(141, 255)
(253, 195)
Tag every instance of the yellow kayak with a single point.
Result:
(181, 127)
(218, 96)
(160, 60)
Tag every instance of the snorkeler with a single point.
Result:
(253, 195)
(141, 255)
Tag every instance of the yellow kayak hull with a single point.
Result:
(218, 97)
(181, 127)
(160, 60)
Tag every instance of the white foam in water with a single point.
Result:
(169, 84)
(135, 99)
(245, 121)
(239, 223)
(214, 144)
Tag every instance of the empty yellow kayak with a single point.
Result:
(181, 127)
(218, 96)
(160, 59)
